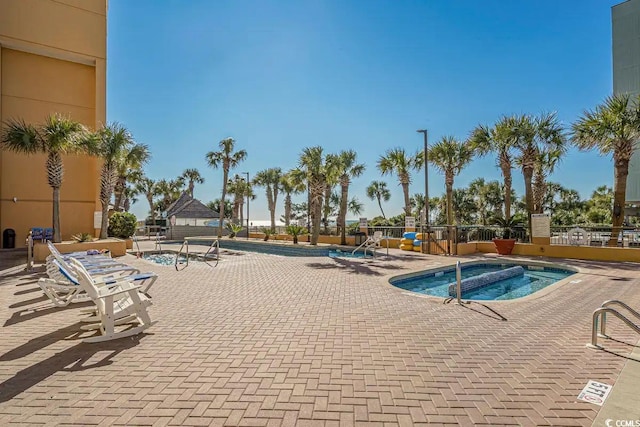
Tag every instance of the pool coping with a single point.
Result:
(538, 294)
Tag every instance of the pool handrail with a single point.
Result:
(599, 315)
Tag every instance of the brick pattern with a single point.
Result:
(265, 340)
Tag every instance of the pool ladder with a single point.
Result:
(600, 319)
(213, 248)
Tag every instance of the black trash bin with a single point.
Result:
(8, 238)
(360, 237)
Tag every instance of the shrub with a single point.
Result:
(82, 237)
(295, 231)
(122, 225)
(233, 229)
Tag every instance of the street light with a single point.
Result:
(248, 197)
(426, 192)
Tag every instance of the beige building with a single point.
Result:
(52, 60)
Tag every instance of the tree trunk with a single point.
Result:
(56, 215)
(505, 166)
(153, 211)
(343, 213)
(380, 205)
(317, 211)
(272, 207)
(327, 208)
(104, 224)
(191, 186)
(407, 200)
(528, 174)
(619, 194)
(449, 204)
(118, 190)
(287, 209)
(225, 177)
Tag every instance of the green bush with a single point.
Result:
(122, 225)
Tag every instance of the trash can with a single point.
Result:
(360, 237)
(8, 238)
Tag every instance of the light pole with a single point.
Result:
(248, 197)
(426, 193)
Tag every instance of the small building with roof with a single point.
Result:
(190, 211)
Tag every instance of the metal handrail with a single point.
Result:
(598, 313)
(603, 322)
(214, 247)
(367, 244)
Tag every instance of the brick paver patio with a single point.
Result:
(268, 340)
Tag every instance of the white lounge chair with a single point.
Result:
(63, 286)
(116, 306)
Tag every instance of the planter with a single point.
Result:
(129, 243)
(504, 246)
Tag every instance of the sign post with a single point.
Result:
(364, 226)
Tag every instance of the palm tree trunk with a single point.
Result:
(505, 166)
(118, 190)
(225, 177)
(619, 194)
(343, 213)
(449, 204)
(272, 208)
(56, 215)
(287, 209)
(191, 186)
(152, 210)
(380, 205)
(528, 175)
(317, 216)
(407, 200)
(327, 211)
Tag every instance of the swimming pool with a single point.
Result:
(282, 248)
(436, 283)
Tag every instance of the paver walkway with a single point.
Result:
(269, 340)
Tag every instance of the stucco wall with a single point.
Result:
(52, 60)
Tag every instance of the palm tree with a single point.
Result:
(545, 164)
(612, 128)
(58, 135)
(270, 180)
(531, 136)
(170, 191)
(450, 156)
(399, 162)
(312, 163)
(291, 183)
(129, 165)
(498, 139)
(332, 177)
(192, 176)
(227, 159)
(114, 142)
(378, 190)
(148, 187)
(240, 189)
(347, 168)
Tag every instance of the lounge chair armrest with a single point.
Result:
(111, 292)
(111, 270)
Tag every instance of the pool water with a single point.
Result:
(164, 259)
(437, 284)
(337, 253)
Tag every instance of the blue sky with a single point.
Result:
(279, 76)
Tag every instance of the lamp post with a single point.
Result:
(426, 193)
(248, 198)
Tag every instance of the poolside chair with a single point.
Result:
(63, 286)
(372, 243)
(116, 306)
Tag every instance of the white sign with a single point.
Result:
(97, 219)
(595, 392)
(363, 223)
(409, 222)
(540, 225)
(172, 220)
